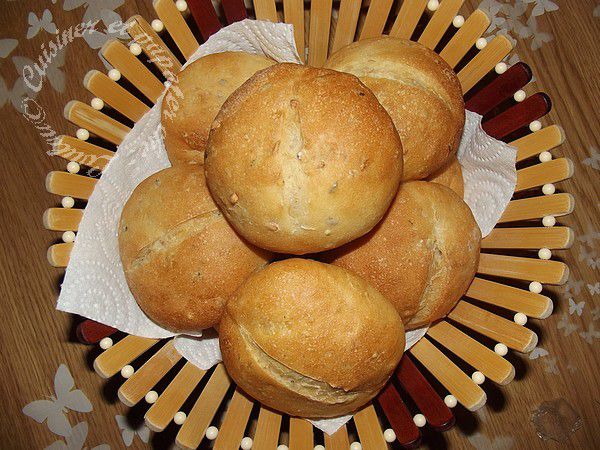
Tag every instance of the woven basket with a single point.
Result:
(457, 353)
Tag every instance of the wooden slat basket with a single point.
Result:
(459, 353)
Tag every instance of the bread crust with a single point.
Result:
(192, 102)
(174, 244)
(422, 256)
(450, 176)
(310, 339)
(419, 90)
(302, 159)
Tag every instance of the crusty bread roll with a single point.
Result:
(302, 159)
(181, 257)
(192, 102)
(419, 90)
(310, 339)
(450, 176)
(422, 256)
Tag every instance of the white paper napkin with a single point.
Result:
(95, 285)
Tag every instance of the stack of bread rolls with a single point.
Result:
(275, 161)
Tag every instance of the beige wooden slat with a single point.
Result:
(265, 10)
(439, 23)
(172, 398)
(338, 440)
(407, 18)
(465, 38)
(95, 122)
(82, 152)
(535, 143)
(484, 62)
(470, 395)
(538, 207)
(69, 184)
(377, 15)
(518, 300)
(176, 26)
(293, 12)
(232, 429)
(549, 172)
(346, 25)
(131, 68)
(529, 238)
(153, 370)
(530, 269)
(58, 254)
(469, 350)
(122, 353)
(318, 37)
(301, 434)
(266, 436)
(369, 429)
(495, 327)
(62, 219)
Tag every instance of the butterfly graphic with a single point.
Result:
(482, 442)
(596, 313)
(569, 327)
(551, 366)
(573, 287)
(7, 46)
(538, 352)
(596, 12)
(590, 334)
(542, 6)
(589, 238)
(36, 24)
(539, 38)
(585, 255)
(54, 410)
(571, 368)
(594, 160)
(76, 440)
(54, 73)
(575, 308)
(128, 432)
(594, 263)
(594, 288)
(96, 11)
(16, 95)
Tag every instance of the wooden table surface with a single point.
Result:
(35, 339)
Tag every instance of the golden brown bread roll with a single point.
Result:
(181, 257)
(302, 159)
(310, 339)
(422, 256)
(450, 176)
(192, 102)
(418, 89)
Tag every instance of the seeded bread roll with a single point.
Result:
(310, 339)
(422, 256)
(418, 89)
(450, 176)
(181, 257)
(302, 159)
(192, 102)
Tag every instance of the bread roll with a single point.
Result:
(419, 90)
(192, 102)
(181, 258)
(422, 256)
(310, 339)
(450, 176)
(302, 159)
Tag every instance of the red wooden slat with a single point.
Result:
(428, 401)
(499, 89)
(205, 17)
(90, 332)
(234, 10)
(399, 417)
(518, 116)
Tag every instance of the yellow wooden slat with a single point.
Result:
(549, 172)
(62, 219)
(407, 18)
(470, 395)
(58, 254)
(484, 62)
(530, 269)
(232, 429)
(538, 207)
(439, 23)
(529, 238)
(301, 434)
(95, 122)
(318, 37)
(369, 429)
(495, 327)
(535, 143)
(377, 15)
(293, 12)
(338, 440)
(82, 152)
(122, 353)
(498, 294)
(266, 436)
(469, 350)
(176, 26)
(346, 24)
(265, 10)
(69, 184)
(465, 38)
